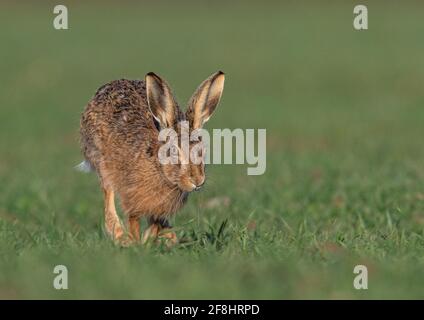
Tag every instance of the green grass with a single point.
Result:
(344, 183)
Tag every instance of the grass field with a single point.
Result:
(344, 183)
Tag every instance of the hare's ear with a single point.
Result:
(204, 101)
(161, 100)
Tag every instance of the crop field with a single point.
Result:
(344, 179)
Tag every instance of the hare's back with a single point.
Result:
(118, 115)
(120, 105)
(122, 95)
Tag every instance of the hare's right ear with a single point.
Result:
(161, 100)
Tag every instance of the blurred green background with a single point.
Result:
(344, 183)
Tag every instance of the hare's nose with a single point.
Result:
(199, 186)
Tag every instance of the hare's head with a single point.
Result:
(187, 171)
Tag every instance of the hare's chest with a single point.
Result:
(155, 202)
(168, 203)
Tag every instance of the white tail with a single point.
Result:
(84, 166)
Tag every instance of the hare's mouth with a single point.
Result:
(187, 187)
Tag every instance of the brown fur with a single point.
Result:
(119, 138)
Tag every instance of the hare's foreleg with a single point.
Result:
(112, 223)
(134, 226)
(151, 232)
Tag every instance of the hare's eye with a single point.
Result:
(174, 150)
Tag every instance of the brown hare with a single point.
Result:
(119, 139)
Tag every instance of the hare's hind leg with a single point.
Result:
(112, 223)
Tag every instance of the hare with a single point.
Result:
(119, 131)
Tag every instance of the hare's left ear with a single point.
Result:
(204, 101)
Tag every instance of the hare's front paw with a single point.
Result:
(119, 236)
(126, 240)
